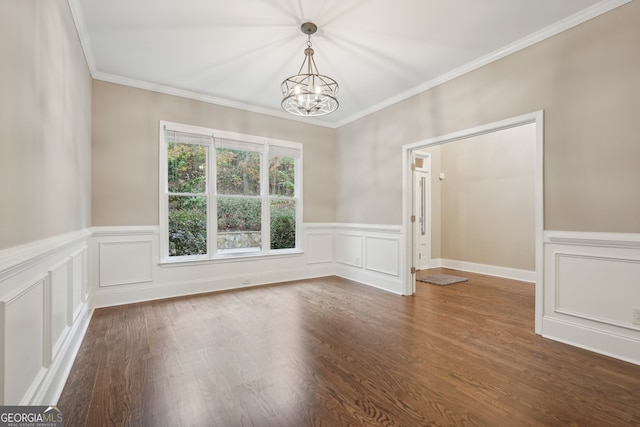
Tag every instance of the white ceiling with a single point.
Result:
(238, 52)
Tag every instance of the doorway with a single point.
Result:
(410, 259)
(421, 216)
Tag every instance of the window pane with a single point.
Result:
(239, 223)
(187, 225)
(283, 224)
(281, 176)
(187, 167)
(238, 172)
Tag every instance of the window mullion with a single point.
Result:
(212, 212)
(188, 194)
(266, 204)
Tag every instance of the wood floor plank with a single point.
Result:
(331, 352)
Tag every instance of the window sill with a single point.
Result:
(227, 258)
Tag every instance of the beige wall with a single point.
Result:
(125, 151)
(488, 199)
(586, 81)
(483, 211)
(45, 123)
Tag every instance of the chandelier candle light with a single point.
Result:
(309, 93)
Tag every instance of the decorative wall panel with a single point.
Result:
(44, 312)
(591, 289)
(349, 249)
(382, 254)
(125, 262)
(319, 247)
(24, 341)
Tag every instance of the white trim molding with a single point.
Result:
(613, 240)
(490, 270)
(45, 308)
(591, 290)
(20, 258)
(131, 271)
(578, 308)
(543, 34)
(167, 281)
(369, 254)
(537, 118)
(125, 231)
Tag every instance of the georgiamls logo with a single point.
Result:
(53, 408)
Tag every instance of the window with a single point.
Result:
(225, 195)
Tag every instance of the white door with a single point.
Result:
(422, 215)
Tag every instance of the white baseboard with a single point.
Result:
(610, 344)
(119, 295)
(387, 283)
(490, 270)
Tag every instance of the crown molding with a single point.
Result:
(550, 31)
(168, 90)
(83, 34)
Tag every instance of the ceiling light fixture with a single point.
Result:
(309, 93)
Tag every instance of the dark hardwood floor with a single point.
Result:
(330, 352)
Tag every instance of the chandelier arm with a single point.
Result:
(314, 68)
(304, 61)
(310, 65)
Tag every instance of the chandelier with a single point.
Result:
(309, 93)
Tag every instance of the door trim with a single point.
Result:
(408, 152)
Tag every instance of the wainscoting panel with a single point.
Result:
(379, 247)
(592, 286)
(125, 262)
(78, 284)
(43, 320)
(111, 248)
(59, 294)
(319, 247)
(24, 341)
(382, 254)
(596, 288)
(349, 249)
(126, 267)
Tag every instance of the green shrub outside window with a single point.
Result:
(238, 201)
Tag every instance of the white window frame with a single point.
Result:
(212, 251)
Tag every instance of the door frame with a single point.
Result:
(408, 154)
(426, 169)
